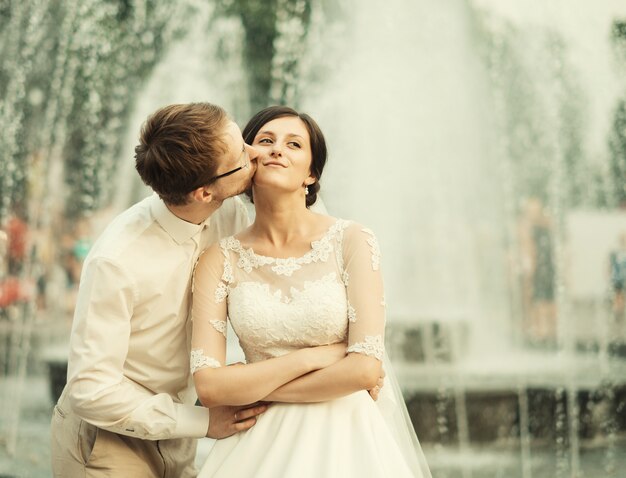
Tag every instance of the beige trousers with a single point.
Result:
(82, 450)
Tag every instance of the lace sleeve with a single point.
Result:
(212, 278)
(366, 311)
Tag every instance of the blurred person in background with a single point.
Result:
(539, 274)
(617, 261)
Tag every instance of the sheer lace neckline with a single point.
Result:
(316, 247)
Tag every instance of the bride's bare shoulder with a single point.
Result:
(322, 222)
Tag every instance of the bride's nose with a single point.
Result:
(276, 150)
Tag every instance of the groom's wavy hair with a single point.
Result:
(319, 153)
(179, 147)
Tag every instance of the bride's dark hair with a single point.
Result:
(319, 153)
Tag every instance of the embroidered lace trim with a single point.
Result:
(339, 256)
(319, 252)
(221, 291)
(219, 325)
(294, 293)
(374, 248)
(227, 275)
(373, 346)
(199, 361)
(351, 313)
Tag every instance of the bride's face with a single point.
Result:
(284, 148)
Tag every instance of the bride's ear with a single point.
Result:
(310, 180)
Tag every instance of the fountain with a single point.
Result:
(471, 135)
(458, 130)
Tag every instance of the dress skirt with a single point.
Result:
(345, 437)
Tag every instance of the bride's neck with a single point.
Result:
(280, 218)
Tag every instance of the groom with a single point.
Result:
(128, 409)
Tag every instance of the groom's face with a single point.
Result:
(237, 166)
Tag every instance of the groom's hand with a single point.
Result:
(226, 421)
(376, 390)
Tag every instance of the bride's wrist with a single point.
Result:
(311, 359)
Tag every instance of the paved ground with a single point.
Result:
(600, 460)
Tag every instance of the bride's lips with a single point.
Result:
(274, 163)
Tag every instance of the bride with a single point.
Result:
(291, 281)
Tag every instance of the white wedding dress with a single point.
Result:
(331, 294)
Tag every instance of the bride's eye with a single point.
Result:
(264, 141)
(295, 144)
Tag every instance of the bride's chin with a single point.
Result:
(264, 184)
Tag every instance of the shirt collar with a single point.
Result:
(180, 230)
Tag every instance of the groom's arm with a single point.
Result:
(98, 390)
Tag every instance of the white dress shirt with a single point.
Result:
(128, 366)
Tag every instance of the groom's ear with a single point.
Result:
(202, 194)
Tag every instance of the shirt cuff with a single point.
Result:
(192, 422)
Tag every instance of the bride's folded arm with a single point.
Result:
(245, 384)
(353, 373)
(236, 384)
(361, 368)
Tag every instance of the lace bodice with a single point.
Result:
(331, 294)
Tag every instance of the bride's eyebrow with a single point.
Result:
(272, 134)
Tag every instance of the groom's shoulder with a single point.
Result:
(125, 231)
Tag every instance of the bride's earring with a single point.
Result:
(306, 190)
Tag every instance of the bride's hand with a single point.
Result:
(326, 355)
(376, 390)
